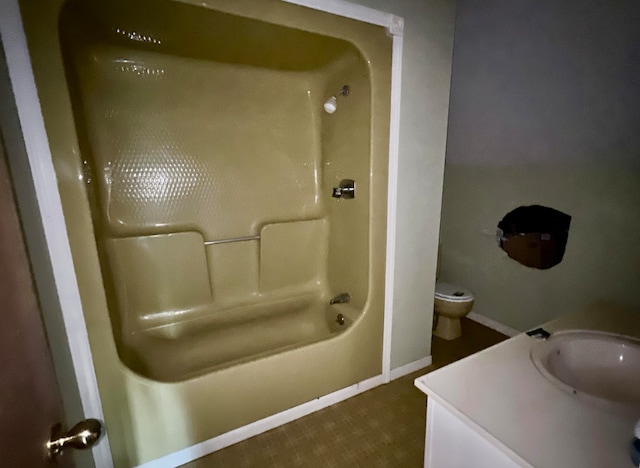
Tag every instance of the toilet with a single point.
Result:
(451, 303)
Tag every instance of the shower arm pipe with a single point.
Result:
(331, 104)
(344, 91)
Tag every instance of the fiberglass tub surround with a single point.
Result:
(210, 184)
(196, 167)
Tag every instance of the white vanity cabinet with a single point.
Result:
(452, 443)
(494, 409)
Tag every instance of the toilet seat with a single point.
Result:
(452, 293)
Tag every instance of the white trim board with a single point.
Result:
(393, 23)
(242, 433)
(45, 185)
(411, 367)
(392, 201)
(497, 326)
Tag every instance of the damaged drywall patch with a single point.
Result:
(536, 236)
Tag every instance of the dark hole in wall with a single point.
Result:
(536, 236)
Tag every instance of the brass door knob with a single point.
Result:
(83, 435)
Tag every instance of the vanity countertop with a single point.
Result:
(500, 393)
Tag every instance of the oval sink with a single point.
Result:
(596, 367)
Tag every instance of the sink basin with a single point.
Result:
(596, 367)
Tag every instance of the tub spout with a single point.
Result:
(340, 299)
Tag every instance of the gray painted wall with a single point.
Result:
(426, 74)
(545, 109)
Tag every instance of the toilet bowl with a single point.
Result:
(451, 303)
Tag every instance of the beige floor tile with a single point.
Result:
(383, 427)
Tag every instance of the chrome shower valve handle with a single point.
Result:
(345, 189)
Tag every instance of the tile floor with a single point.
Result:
(383, 427)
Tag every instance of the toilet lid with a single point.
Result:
(452, 293)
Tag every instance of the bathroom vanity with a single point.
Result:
(496, 408)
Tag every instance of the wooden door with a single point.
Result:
(30, 401)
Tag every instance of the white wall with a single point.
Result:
(545, 109)
(426, 73)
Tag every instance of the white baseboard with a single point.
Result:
(497, 326)
(409, 368)
(271, 422)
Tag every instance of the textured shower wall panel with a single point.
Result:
(185, 144)
(204, 117)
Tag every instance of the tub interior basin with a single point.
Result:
(596, 367)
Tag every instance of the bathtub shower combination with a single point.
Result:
(223, 173)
